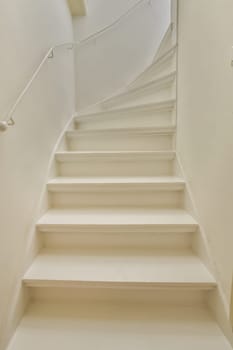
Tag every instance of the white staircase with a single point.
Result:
(116, 269)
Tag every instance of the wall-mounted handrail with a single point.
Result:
(8, 121)
(113, 24)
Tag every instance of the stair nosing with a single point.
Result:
(112, 284)
(75, 185)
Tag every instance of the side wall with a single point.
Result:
(205, 123)
(27, 30)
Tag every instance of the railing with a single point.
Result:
(9, 121)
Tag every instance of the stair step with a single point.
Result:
(149, 115)
(89, 325)
(165, 106)
(160, 138)
(166, 43)
(163, 65)
(118, 268)
(115, 163)
(146, 89)
(160, 192)
(159, 220)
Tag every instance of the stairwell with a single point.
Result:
(117, 268)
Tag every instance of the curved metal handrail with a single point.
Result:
(8, 121)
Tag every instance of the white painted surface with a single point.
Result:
(117, 325)
(165, 62)
(161, 220)
(205, 123)
(154, 115)
(123, 268)
(120, 139)
(101, 13)
(117, 237)
(27, 30)
(137, 194)
(147, 92)
(173, 182)
(121, 163)
(159, 264)
(106, 64)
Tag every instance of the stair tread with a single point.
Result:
(121, 266)
(116, 217)
(117, 325)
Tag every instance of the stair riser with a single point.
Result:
(149, 95)
(121, 142)
(117, 198)
(127, 120)
(117, 239)
(111, 167)
(163, 297)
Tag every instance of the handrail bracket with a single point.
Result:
(4, 125)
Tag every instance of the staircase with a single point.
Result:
(117, 269)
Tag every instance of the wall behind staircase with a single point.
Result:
(27, 30)
(205, 121)
(101, 13)
(114, 59)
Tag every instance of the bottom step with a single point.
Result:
(111, 326)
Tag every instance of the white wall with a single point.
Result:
(101, 13)
(27, 30)
(108, 63)
(205, 122)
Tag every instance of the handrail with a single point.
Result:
(113, 24)
(9, 121)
